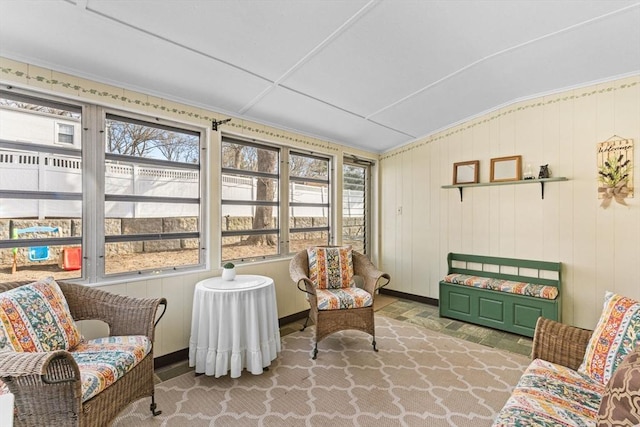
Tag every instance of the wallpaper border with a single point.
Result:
(180, 112)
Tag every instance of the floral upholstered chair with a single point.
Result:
(57, 377)
(340, 285)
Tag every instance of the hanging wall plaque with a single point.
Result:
(615, 170)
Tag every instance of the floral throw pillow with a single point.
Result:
(331, 267)
(615, 336)
(36, 317)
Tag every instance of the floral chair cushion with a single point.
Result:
(615, 336)
(104, 360)
(331, 267)
(338, 299)
(36, 317)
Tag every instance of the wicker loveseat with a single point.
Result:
(50, 387)
(580, 377)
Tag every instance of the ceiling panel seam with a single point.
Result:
(82, 4)
(180, 45)
(346, 111)
(392, 129)
(314, 51)
(498, 53)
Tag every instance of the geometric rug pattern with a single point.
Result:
(418, 378)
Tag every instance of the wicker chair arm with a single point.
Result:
(18, 364)
(373, 277)
(559, 343)
(308, 286)
(298, 270)
(125, 315)
(47, 387)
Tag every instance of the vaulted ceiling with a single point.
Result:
(369, 74)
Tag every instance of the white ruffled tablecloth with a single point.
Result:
(234, 326)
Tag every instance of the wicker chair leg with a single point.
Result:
(153, 406)
(374, 344)
(305, 323)
(315, 352)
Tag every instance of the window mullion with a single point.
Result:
(285, 221)
(93, 192)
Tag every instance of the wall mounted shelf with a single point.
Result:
(541, 181)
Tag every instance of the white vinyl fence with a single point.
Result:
(57, 173)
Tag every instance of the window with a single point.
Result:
(65, 133)
(151, 196)
(252, 210)
(309, 207)
(355, 204)
(40, 190)
(126, 197)
(250, 200)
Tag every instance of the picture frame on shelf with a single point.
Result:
(504, 169)
(466, 172)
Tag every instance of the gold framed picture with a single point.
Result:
(466, 172)
(505, 169)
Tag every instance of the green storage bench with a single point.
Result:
(502, 293)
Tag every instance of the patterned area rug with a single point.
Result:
(418, 378)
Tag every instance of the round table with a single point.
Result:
(234, 326)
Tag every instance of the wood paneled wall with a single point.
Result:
(600, 248)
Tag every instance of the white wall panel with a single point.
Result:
(565, 144)
(420, 220)
(408, 194)
(388, 218)
(431, 258)
(480, 211)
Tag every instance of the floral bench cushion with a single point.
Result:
(102, 361)
(520, 288)
(553, 395)
(337, 299)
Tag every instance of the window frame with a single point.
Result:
(368, 166)
(166, 124)
(59, 125)
(283, 204)
(257, 203)
(26, 146)
(89, 147)
(329, 205)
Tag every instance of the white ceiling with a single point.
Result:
(368, 74)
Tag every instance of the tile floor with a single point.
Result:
(413, 312)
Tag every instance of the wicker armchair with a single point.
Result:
(329, 321)
(47, 385)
